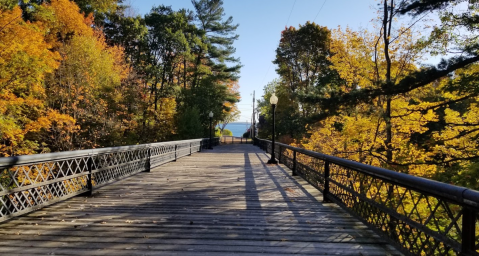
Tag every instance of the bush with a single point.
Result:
(217, 132)
(227, 132)
(247, 134)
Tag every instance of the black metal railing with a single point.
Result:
(417, 215)
(235, 140)
(31, 182)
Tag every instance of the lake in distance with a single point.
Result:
(238, 128)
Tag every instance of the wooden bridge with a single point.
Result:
(225, 201)
(220, 202)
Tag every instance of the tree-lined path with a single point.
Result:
(225, 201)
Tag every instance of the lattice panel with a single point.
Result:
(116, 165)
(29, 186)
(33, 174)
(117, 158)
(287, 157)
(268, 147)
(183, 149)
(119, 171)
(477, 232)
(399, 212)
(162, 154)
(311, 170)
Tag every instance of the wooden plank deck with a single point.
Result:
(225, 201)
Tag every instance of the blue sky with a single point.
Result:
(260, 25)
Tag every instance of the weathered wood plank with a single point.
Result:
(225, 201)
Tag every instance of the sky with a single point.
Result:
(260, 25)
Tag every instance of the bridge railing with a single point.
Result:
(235, 140)
(31, 182)
(417, 215)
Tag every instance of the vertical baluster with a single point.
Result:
(90, 175)
(294, 163)
(176, 153)
(190, 149)
(148, 160)
(468, 231)
(326, 182)
(279, 154)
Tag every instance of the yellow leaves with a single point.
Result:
(25, 57)
(52, 117)
(68, 19)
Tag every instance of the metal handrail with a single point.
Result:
(410, 211)
(30, 182)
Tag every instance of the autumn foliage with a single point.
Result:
(69, 79)
(362, 95)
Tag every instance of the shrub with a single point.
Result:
(217, 132)
(227, 132)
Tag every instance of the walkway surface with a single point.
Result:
(225, 201)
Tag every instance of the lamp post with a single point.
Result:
(273, 100)
(210, 146)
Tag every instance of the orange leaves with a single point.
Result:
(24, 55)
(25, 60)
(68, 19)
(52, 118)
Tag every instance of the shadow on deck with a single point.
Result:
(225, 201)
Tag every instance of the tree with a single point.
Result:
(229, 118)
(218, 35)
(25, 60)
(304, 68)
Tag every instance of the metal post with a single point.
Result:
(272, 160)
(190, 149)
(326, 182)
(279, 154)
(468, 231)
(176, 154)
(211, 140)
(148, 162)
(90, 175)
(294, 163)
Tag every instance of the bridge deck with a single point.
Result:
(225, 201)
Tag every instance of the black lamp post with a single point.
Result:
(210, 146)
(273, 100)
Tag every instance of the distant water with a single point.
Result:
(238, 128)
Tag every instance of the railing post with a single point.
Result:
(190, 149)
(468, 231)
(90, 175)
(279, 154)
(148, 161)
(201, 145)
(294, 163)
(326, 182)
(176, 154)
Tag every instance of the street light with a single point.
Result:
(211, 121)
(273, 100)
